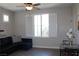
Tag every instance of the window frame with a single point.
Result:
(6, 16)
(41, 26)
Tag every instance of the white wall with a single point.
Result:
(75, 9)
(24, 26)
(6, 26)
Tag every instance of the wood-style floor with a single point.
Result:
(36, 52)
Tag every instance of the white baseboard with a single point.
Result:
(46, 47)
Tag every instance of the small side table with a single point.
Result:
(69, 50)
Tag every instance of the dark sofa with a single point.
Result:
(7, 46)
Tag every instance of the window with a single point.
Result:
(5, 18)
(41, 25)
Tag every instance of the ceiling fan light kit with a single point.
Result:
(31, 6)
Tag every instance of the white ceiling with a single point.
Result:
(12, 6)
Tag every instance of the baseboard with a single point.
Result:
(45, 47)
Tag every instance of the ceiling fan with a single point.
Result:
(30, 6)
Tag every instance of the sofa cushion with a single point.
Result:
(7, 41)
(9, 47)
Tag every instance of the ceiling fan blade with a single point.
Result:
(36, 8)
(36, 4)
(25, 3)
(19, 6)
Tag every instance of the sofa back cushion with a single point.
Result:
(9, 40)
(28, 40)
